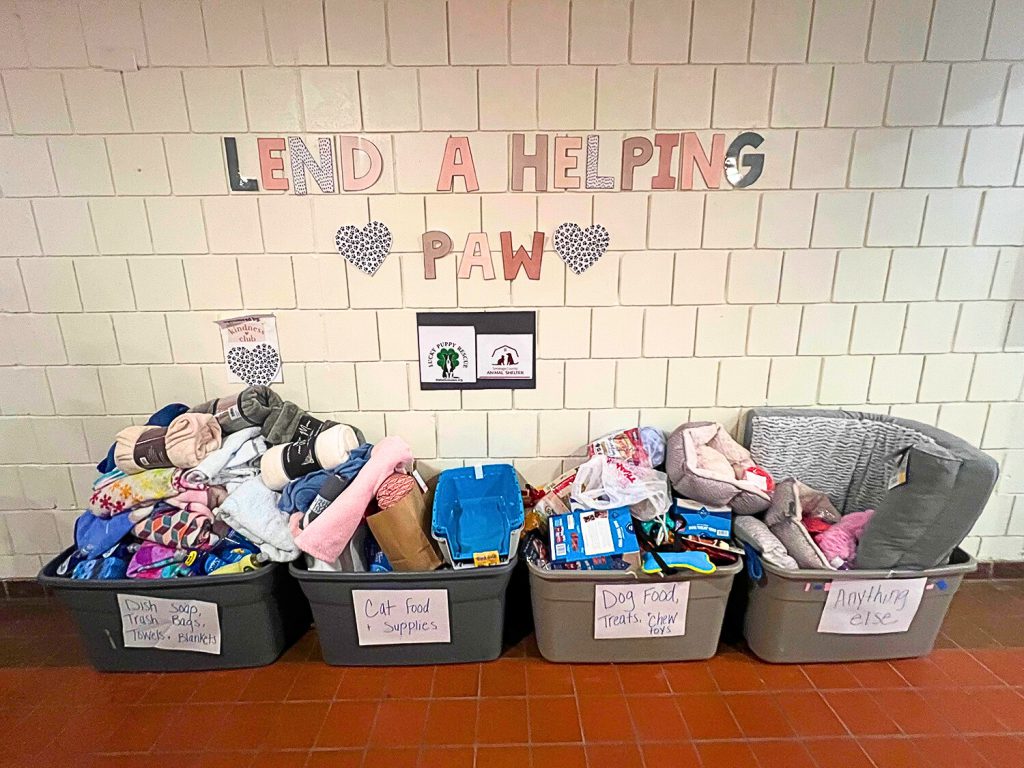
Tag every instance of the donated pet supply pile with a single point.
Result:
(616, 512)
(399, 571)
(237, 482)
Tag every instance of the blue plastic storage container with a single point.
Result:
(478, 512)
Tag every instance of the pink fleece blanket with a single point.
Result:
(327, 536)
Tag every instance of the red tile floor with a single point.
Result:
(962, 706)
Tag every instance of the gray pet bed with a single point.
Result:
(928, 487)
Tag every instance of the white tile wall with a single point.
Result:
(879, 259)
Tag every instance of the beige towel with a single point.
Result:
(185, 443)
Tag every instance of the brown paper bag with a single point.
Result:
(403, 533)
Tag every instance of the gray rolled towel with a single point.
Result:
(249, 408)
(280, 421)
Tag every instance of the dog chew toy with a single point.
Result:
(694, 561)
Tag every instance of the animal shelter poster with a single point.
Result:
(477, 350)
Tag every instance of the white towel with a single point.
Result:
(234, 461)
(251, 509)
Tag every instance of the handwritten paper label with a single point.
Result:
(401, 616)
(640, 610)
(170, 625)
(871, 606)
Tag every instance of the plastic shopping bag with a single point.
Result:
(605, 483)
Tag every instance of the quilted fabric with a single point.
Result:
(754, 532)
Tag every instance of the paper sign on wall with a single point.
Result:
(251, 351)
(871, 606)
(401, 616)
(640, 610)
(477, 350)
(170, 625)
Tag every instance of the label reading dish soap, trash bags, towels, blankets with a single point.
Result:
(169, 625)
(640, 610)
(871, 606)
(401, 616)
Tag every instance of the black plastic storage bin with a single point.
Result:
(476, 611)
(260, 613)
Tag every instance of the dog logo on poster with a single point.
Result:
(504, 356)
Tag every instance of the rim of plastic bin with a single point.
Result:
(960, 562)
(48, 577)
(300, 571)
(686, 575)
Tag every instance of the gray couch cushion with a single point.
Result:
(917, 524)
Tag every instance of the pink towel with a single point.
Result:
(327, 536)
(839, 542)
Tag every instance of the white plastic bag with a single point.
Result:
(604, 483)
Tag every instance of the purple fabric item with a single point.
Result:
(840, 540)
(151, 559)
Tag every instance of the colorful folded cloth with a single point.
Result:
(152, 560)
(117, 494)
(177, 528)
(325, 537)
(251, 509)
(185, 442)
(300, 493)
(161, 418)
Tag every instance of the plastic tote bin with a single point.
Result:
(564, 604)
(475, 601)
(478, 513)
(260, 614)
(785, 607)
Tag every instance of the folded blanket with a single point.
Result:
(123, 494)
(161, 418)
(251, 509)
(185, 442)
(249, 408)
(169, 526)
(283, 463)
(235, 460)
(280, 421)
(203, 500)
(325, 537)
(300, 493)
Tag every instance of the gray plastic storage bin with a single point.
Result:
(784, 608)
(476, 611)
(563, 614)
(261, 613)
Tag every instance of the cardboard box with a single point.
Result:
(588, 533)
(702, 520)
